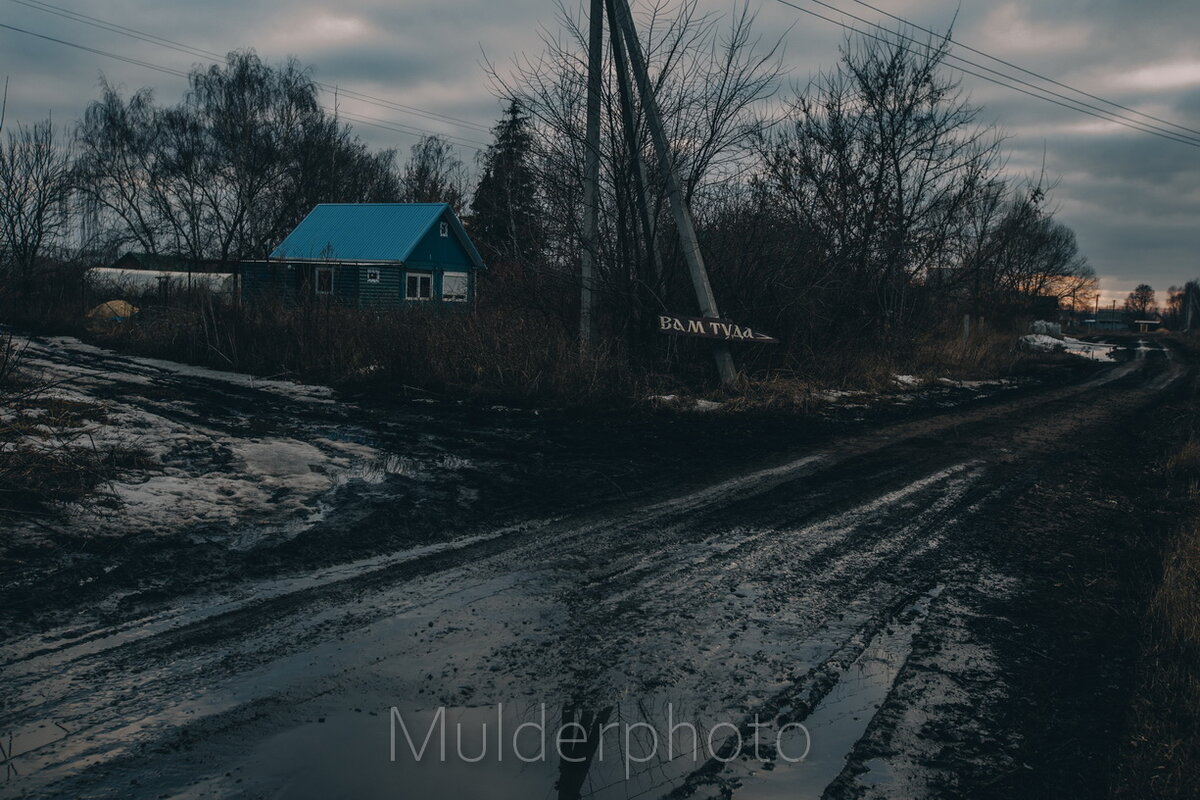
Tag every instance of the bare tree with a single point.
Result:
(1141, 300)
(228, 171)
(883, 163)
(711, 82)
(35, 190)
(434, 174)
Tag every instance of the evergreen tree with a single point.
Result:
(505, 213)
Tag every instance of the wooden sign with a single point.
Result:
(708, 328)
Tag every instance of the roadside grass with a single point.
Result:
(521, 356)
(988, 353)
(1162, 755)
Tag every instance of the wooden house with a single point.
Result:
(371, 255)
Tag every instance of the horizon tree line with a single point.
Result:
(869, 204)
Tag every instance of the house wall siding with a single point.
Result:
(264, 278)
(345, 283)
(389, 290)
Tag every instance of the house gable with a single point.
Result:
(443, 252)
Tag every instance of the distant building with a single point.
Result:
(371, 254)
(1147, 325)
(164, 275)
(1108, 319)
(155, 262)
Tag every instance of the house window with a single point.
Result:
(444, 229)
(324, 280)
(372, 276)
(418, 286)
(454, 287)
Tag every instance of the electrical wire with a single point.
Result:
(126, 59)
(1038, 75)
(199, 52)
(370, 121)
(1071, 104)
(1007, 76)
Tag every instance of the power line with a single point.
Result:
(1038, 75)
(171, 44)
(1071, 104)
(126, 59)
(377, 123)
(1005, 75)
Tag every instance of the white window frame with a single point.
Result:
(425, 278)
(317, 273)
(444, 229)
(466, 284)
(372, 274)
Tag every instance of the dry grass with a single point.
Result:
(987, 352)
(773, 393)
(47, 457)
(941, 352)
(1162, 756)
(1177, 602)
(1184, 464)
(506, 353)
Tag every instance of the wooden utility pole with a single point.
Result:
(683, 218)
(591, 177)
(641, 178)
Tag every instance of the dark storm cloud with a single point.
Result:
(1129, 196)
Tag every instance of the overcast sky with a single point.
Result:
(1133, 199)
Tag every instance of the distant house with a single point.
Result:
(371, 254)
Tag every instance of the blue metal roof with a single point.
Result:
(368, 232)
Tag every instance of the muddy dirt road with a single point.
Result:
(297, 588)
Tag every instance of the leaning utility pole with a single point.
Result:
(683, 218)
(591, 177)
(641, 177)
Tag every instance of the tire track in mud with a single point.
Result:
(875, 541)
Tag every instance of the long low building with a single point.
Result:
(370, 254)
(147, 280)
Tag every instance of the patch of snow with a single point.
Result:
(450, 462)
(294, 391)
(285, 463)
(907, 380)
(837, 395)
(1046, 328)
(1040, 343)
(707, 405)
(996, 382)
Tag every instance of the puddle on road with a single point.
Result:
(1096, 351)
(839, 720)
(502, 751)
(523, 750)
(1114, 352)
